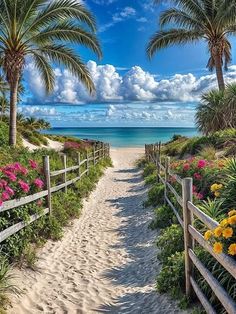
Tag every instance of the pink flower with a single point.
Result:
(197, 176)
(33, 164)
(39, 183)
(186, 167)
(194, 188)
(9, 190)
(10, 175)
(24, 186)
(17, 166)
(1, 202)
(39, 202)
(201, 163)
(5, 196)
(3, 183)
(199, 196)
(24, 171)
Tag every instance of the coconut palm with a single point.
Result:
(43, 124)
(44, 30)
(191, 21)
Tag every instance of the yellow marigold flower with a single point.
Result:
(208, 234)
(214, 187)
(232, 249)
(218, 247)
(217, 194)
(218, 231)
(232, 212)
(227, 233)
(232, 220)
(224, 222)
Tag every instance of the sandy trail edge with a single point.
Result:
(106, 261)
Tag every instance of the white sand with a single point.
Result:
(58, 146)
(106, 261)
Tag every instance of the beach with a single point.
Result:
(106, 261)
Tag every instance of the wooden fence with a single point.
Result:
(91, 159)
(191, 234)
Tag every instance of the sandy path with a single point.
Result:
(106, 261)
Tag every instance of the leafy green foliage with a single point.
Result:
(149, 169)
(155, 195)
(170, 241)
(163, 217)
(172, 274)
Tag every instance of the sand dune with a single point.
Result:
(106, 261)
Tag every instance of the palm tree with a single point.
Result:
(195, 20)
(4, 105)
(43, 124)
(44, 30)
(210, 115)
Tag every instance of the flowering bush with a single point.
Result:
(223, 237)
(17, 180)
(71, 146)
(206, 176)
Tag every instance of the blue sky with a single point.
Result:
(131, 90)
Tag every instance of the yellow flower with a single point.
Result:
(224, 222)
(232, 220)
(232, 249)
(217, 194)
(232, 212)
(214, 187)
(218, 247)
(218, 231)
(227, 233)
(220, 186)
(208, 234)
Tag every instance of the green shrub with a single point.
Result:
(170, 241)
(149, 169)
(155, 195)
(172, 275)
(163, 217)
(151, 179)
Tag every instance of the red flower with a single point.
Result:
(186, 167)
(197, 176)
(201, 163)
(194, 188)
(1, 202)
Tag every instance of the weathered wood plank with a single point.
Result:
(205, 303)
(161, 179)
(219, 291)
(62, 171)
(208, 221)
(22, 201)
(226, 261)
(180, 220)
(177, 196)
(20, 225)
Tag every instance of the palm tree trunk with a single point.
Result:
(13, 111)
(219, 72)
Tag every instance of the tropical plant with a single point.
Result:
(191, 21)
(210, 114)
(44, 30)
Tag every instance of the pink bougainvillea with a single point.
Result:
(24, 186)
(38, 183)
(5, 196)
(33, 164)
(197, 176)
(201, 163)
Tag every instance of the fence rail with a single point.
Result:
(191, 234)
(95, 156)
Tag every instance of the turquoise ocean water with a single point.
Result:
(125, 137)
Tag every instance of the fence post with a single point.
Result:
(103, 150)
(64, 160)
(167, 166)
(94, 155)
(158, 166)
(87, 162)
(46, 170)
(187, 186)
(78, 162)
